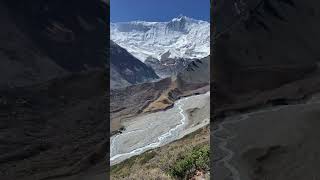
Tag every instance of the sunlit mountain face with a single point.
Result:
(182, 37)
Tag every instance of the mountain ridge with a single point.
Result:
(126, 69)
(183, 37)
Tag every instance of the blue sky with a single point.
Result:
(158, 10)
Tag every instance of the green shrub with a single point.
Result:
(197, 159)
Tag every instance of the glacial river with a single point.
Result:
(157, 129)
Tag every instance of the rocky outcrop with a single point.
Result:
(166, 66)
(195, 75)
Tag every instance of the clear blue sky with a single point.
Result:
(158, 10)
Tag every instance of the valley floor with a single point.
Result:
(154, 136)
(157, 129)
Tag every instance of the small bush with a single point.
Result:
(197, 159)
(147, 156)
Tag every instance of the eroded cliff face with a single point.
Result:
(262, 44)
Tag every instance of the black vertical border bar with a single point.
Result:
(107, 99)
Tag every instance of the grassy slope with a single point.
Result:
(164, 162)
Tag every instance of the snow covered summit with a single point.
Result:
(182, 37)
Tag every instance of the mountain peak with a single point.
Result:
(182, 36)
(181, 17)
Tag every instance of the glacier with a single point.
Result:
(181, 37)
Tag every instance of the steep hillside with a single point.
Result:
(266, 76)
(195, 75)
(166, 67)
(263, 44)
(68, 32)
(22, 63)
(53, 129)
(53, 89)
(126, 69)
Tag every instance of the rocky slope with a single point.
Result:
(126, 69)
(262, 44)
(53, 88)
(265, 70)
(21, 62)
(42, 40)
(195, 75)
(53, 129)
(64, 32)
(166, 67)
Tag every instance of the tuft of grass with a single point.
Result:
(187, 164)
(147, 157)
(123, 169)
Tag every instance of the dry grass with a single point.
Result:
(163, 102)
(157, 163)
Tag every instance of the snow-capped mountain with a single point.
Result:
(182, 37)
